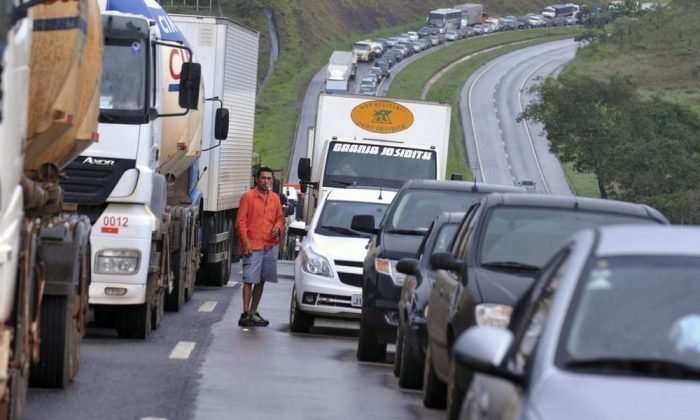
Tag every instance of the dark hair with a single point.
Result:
(263, 169)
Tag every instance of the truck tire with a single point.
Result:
(55, 364)
(217, 273)
(399, 350)
(134, 321)
(176, 298)
(369, 349)
(158, 310)
(299, 321)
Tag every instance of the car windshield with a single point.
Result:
(417, 208)
(336, 217)
(530, 236)
(634, 314)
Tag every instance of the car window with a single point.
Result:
(459, 247)
(336, 216)
(417, 208)
(531, 235)
(634, 308)
(531, 311)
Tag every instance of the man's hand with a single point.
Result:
(276, 232)
(248, 249)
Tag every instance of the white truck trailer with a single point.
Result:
(373, 143)
(228, 52)
(340, 70)
(472, 13)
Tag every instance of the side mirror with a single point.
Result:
(190, 79)
(445, 261)
(277, 186)
(364, 223)
(302, 187)
(304, 169)
(221, 124)
(485, 349)
(409, 266)
(297, 228)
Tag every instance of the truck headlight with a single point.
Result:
(117, 261)
(493, 315)
(388, 267)
(314, 263)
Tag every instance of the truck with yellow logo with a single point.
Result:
(382, 143)
(51, 66)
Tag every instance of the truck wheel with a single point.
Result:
(54, 366)
(369, 349)
(299, 321)
(433, 390)
(176, 298)
(105, 316)
(158, 310)
(411, 372)
(134, 321)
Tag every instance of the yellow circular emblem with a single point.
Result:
(384, 117)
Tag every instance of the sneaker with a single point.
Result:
(257, 321)
(244, 320)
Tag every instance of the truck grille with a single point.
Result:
(89, 181)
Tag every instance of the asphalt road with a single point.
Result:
(199, 364)
(501, 150)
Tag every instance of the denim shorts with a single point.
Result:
(261, 266)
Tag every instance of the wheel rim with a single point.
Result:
(293, 306)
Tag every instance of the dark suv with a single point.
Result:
(497, 252)
(399, 235)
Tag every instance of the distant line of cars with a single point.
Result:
(463, 277)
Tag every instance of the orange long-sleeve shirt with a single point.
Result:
(257, 217)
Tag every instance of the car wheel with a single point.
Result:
(455, 392)
(411, 372)
(399, 347)
(433, 389)
(369, 349)
(299, 321)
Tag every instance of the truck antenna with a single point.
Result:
(199, 178)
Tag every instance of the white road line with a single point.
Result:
(154, 418)
(182, 350)
(208, 306)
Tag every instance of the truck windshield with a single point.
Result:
(123, 87)
(360, 47)
(374, 165)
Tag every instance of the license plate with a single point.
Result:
(356, 300)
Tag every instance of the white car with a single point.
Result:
(328, 269)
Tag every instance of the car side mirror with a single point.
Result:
(445, 261)
(364, 223)
(485, 349)
(409, 266)
(297, 228)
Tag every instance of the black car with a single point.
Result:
(399, 235)
(497, 252)
(412, 335)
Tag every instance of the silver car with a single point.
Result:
(610, 330)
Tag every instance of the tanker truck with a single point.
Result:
(137, 184)
(49, 116)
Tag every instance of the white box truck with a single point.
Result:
(228, 52)
(340, 70)
(375, 143)
(472, 13)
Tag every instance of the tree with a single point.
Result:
(585, 120)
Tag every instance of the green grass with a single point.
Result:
(583, 184)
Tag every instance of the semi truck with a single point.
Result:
(341, 69)
(50, 91)
(557, 10)
(134, 184)
(228, 52)
(374, 143)
(472, 13)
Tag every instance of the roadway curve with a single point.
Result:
(502, 151)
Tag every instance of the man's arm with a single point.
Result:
(242, 222)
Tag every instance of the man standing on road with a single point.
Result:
(259, 224)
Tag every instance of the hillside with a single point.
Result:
(659, 52)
